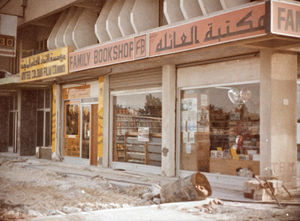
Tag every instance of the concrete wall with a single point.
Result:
(278, 103)
(4, 125)
(28, 123)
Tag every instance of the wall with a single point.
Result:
(4, 116)
(35, 8)
(28, 123)
(239, 70)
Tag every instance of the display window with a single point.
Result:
(219, 130)
(137, 122)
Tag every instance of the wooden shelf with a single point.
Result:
(229, 166)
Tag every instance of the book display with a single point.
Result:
(220, 130)
(137, 131)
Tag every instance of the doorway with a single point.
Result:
(13, 124)
(89, 129)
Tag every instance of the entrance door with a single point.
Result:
(13, 130)
(85, 131)
(72, 138)
(89, 128)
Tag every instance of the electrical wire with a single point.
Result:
(4, 4)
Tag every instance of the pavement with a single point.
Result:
(170, 211)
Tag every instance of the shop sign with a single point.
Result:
(45, 65)
(235, 25)
(286, 18)
(8, 33)
(107, 54)
(76, 92)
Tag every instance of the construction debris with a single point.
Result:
(194, 187)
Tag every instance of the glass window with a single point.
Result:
(137, 128)
(72, 114)
(220, 129)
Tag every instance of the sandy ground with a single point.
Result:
(30, 187)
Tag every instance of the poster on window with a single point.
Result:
(143, 134)
(189, 104)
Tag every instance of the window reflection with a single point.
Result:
(219, 125)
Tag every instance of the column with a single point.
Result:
(278, 101)
(106, 115)
(168, 120)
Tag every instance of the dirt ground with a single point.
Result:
(30, 187)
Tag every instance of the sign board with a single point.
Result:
(8, 33)
(235, 25)
(107, 54)
(45, 65)
(143, 134)
(285, 18)
(76, 92)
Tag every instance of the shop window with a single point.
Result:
(220, 129)
(43, 134)
(72, 118)
(137, 121)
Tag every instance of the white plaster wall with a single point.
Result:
(190, 8)
(112, 26)
(83, 33)
(100, 26)
(67, 38)
(145, 15)
(124, 18)
(172, 11)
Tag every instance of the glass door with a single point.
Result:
(85, 131)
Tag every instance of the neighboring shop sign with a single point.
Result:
(235, 25)
(45, 65)
(286, 18)
(76, 92)
(107, 54)
(8, 33)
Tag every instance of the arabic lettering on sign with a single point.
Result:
(286, 19)
(44, 65)
(234, 25)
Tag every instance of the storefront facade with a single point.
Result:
(215, 93)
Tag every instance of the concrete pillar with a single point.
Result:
(83, 34)
(51, 39)
(172, 11)
(144, 15)
(68, 40)
(124, 18)
(278, 100)
(28, 123)
(209, 6)
(4, 125)
(168, 120)
(190, 8)
(100, 26)
(232, 3)
(112, 27)
(59, 39)
(57, 123)
(106, 128)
